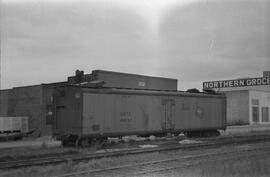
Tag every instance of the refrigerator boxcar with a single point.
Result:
(84, 114)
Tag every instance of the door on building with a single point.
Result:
(255, 114)
(168, 105)
(60, 117)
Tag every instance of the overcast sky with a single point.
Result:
(45, 41)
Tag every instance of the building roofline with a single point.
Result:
(5, 89)
(130, 74)
(26, 86)
(35, 85)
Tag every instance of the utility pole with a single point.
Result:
(1, 52)
(1, 28)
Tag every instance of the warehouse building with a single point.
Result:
(123, 80)
(36, 101)
(248, 99)
(30, 101)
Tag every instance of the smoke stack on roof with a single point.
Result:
(79, 76)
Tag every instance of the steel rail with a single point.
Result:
(84, 157)
(183, 165)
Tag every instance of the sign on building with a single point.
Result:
(237, 83)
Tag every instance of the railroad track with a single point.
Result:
(150, 167)
(215, 142)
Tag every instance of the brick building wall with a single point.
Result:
(4, 103)
(26, 101)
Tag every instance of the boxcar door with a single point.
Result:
(168, 105)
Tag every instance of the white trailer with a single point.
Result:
(13, 125)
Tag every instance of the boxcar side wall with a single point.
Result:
(192, 113)
(68, 105)
(121, 114)
(112, 114)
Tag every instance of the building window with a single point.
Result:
(255, 102)
(265, 114)
(255, 114)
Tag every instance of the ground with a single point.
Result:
(242, 166)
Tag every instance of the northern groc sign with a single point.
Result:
(237, 83)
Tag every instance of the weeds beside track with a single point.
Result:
(151, 167)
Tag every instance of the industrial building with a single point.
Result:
(124, 80)
(248, 99)
(36, 101)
